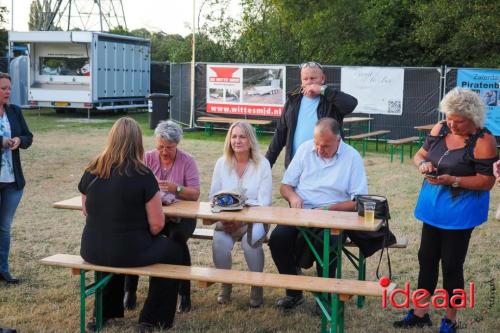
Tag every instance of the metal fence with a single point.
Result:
(421, 95)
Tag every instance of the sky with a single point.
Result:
(169, 16)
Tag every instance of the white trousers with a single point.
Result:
(222, 246)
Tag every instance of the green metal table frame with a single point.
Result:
(364, 143)
(401, 148)
(100, 281)
(332, 307)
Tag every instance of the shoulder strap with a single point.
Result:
(382, 254)
(91, 183)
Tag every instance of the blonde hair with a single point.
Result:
(465, 103)
(252, 139)
(124, 151)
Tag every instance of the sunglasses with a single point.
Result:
(312, 64)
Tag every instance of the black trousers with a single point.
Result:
(160, 305)
(179, 232)
(283, 245)
(448, 246)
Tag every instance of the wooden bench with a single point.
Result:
(359, 262)
(333, 310)
(363, 137)
(210, 121)
(400, 144)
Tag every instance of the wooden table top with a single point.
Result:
(316, 218)
(425, 128)
(353, 120)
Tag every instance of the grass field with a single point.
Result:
(47, 298)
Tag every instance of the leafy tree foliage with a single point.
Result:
(365, 32)
(4, 36)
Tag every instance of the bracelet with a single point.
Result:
(422, 162)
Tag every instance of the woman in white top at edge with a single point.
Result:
(242, 166)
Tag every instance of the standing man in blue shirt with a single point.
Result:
(305, 104)
(324, 173)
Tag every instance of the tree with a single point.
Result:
(4, 35)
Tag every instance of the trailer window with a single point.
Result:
(64, 66)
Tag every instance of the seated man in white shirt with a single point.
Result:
(325, 173)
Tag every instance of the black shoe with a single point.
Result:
(8, 278)
(184, 304)
(7, 330)
(130, 300)
(92, 326)
(447, 326)
(148, 328)
(145, 328)
(412, 320)
(289, 302)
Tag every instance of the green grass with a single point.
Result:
(47, 298)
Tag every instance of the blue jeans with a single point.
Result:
(10, 196)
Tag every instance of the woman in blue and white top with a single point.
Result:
(456, 161)
(14, 134)
(241, 168)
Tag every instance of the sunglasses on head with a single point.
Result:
(311, 64)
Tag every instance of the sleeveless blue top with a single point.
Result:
(447, 207)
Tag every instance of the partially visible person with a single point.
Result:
(305, 104)
(124, 218)
(456, 161)
(241, 167)
(179, 179)
(496, 173)
(7, 330)
(14, 134)
(325, 173)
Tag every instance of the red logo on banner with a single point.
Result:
(224, 74)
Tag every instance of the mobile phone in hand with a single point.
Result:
(432, 175)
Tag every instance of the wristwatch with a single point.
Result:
(456, 183)
(323, 88)
(179, 189)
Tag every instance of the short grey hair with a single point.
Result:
(328, 123)
(465, 103)
(168, 130)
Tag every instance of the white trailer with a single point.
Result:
(86, 70)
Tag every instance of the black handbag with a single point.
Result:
(370, 242)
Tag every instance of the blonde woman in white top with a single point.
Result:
(241, 167)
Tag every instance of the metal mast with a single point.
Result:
(88, 15)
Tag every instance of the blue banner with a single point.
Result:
(486, 83)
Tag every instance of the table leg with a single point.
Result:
(326, 274)
(83, 297)
(98, 301)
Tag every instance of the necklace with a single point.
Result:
(165, 172)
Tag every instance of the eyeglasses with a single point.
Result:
(311, 64)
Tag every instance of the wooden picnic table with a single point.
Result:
(423, 130)
(210, 121)
(332, 222)
(355, 120)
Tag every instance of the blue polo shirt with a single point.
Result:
(321, 182)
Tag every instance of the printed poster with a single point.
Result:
(486, 83)
(379, 90)
(246, 90)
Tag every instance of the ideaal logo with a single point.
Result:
(416, 299)
(421, 298)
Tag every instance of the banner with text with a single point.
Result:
(487, 84)
(246, 90)
(379, 90)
